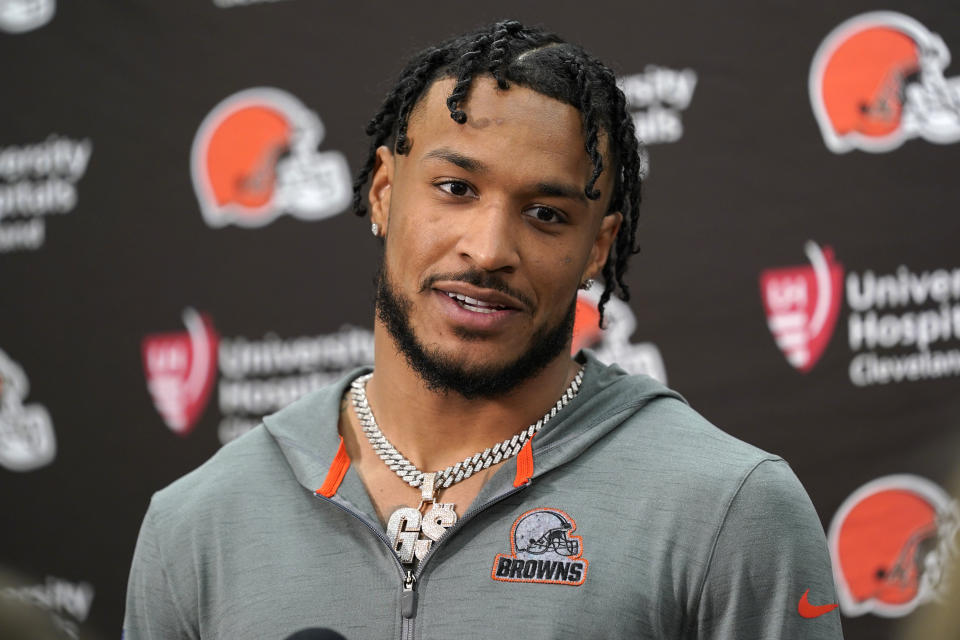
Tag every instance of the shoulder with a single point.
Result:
(673, 438)
(745, 498)
(220, 481)
(654, 439)
(768, 549)
(255, 469)
(640, 417)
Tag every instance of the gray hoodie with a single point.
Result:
(639, 520)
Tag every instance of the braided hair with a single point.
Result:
(544, 62)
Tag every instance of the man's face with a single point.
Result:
(488, 235)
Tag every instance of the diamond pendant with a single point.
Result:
(411, 533)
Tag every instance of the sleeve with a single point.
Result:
(154, 608)
(770, 553)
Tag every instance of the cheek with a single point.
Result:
(414, 211)
(416, 238)
(558, 278)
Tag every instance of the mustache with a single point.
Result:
(480, 279)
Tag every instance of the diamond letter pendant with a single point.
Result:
(440, 518)
(403, 529)
(412, 534)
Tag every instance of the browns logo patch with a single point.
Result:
(543, 550)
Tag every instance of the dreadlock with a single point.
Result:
(544, 62)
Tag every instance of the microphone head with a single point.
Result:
(315, 633)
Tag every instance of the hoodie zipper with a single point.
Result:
(408, 593)
(408, 606)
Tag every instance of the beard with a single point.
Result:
(444, 372)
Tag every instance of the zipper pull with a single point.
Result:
(408, 599)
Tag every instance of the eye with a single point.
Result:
(457, 188)
(544, 214)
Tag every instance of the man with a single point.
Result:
(416, 502)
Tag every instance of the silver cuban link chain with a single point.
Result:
(466, 467)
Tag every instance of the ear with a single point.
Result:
(380, 185)
(609, 226)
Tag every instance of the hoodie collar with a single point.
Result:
(307, 435)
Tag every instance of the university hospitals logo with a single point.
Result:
(612, 343)
(260, 376)
(253, 377)
(38, 180)
(255, 158)
(877, 80)
(802, 304)
(902, 326)
(542, 549)
(891, 543)
(27, 440)
(656, 99)
(181, 368)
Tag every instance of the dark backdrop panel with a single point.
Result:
(104, 251)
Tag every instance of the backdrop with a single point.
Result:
(177, 258)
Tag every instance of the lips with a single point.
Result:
(472, 304)
(479, 300)
(477, 310)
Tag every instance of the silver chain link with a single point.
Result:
(466, 467)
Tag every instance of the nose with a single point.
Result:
(489, 240)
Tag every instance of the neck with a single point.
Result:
(434, 429)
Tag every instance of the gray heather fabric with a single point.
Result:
(684, 532)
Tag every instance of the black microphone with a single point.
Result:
(315, 633)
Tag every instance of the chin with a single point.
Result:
(473, 352)
(481, 359)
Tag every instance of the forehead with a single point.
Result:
(507, 123)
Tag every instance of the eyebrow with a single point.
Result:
(556, 189)
(464, 162)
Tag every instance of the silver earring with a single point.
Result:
(587, 284)
(375, 229)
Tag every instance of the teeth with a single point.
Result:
(479, 309)
(475, 305)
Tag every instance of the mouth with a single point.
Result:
(479, 300)
(475, 305)
(475, 309)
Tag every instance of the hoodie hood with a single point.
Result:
(306, 431)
